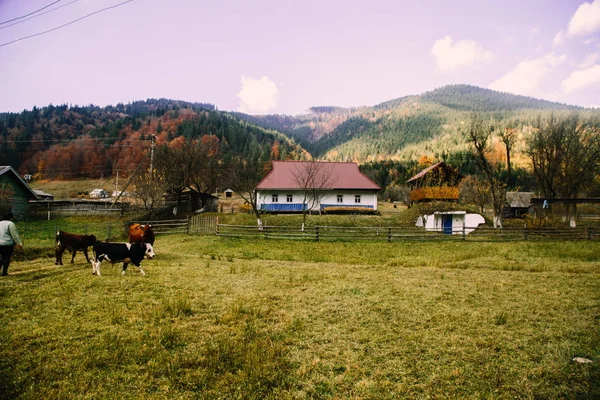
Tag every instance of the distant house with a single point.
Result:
(98, 194)
(437, 182)
(517, 204)
(43, 195)
(347, 188)
(20, 194)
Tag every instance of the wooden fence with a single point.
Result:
(194, 224)
(389, 234)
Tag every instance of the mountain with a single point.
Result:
(406, 128)
(74, 141)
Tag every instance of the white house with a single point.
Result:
(450, 222)
(341, 185)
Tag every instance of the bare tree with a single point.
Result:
(242, 176)
(565, 155)
(479, 135)
(509, 136)
(315, 179)
(149, 189)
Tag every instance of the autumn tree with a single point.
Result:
(473, 190)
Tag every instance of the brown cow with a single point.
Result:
(72, 242)
(141, 234)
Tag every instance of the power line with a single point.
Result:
(67, 24)
(27, 15)
(39, 15)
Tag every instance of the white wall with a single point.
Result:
(367, 198)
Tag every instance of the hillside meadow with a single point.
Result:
(218, 318)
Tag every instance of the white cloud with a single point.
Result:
(586, 20)
(559, 38)
(526, 77)
(589, 60)
(257, 96)
(589, 41)
(582, 78)
(450, 56)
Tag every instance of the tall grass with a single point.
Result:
(233, 318)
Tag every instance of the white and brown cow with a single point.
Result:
(73, 243)
(121, 252)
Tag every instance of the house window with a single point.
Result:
(340, 198)
(290, 198)
(357, 198)
(275, 198)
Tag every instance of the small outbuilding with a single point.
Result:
(228, 193)
(18, 192)
(517, 204)
(43, 195)
(450, 222)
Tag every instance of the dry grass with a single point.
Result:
(226, 318)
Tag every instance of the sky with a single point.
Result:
(282, 57)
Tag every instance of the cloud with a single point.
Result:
(582, 78)
(257, 96)
(449, 56)
(526, 77)
(586, 20)
(559, 38)
(589, 60)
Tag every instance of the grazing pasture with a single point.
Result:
(252, 319)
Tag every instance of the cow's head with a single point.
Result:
(148, 251)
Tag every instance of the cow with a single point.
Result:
(121, 252)
(72, 242)
(141, 234)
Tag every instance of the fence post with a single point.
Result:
(589, 232)
(389, 235)
(464, 232)
(217, 225)
(187, 227)
(317, 233)
(525, 233)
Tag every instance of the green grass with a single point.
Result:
(232, 318)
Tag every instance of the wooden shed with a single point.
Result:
(20, 194)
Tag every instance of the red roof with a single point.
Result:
(344, 175)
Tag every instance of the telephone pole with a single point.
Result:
(152, 138)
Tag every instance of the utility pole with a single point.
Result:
(152, 138)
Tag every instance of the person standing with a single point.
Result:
(9, 239)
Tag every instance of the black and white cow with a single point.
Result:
(121, 252)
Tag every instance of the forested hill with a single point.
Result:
(472, 98)
(430, 124)
(72, 141)
(402, 128)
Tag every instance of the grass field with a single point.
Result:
(231, 318)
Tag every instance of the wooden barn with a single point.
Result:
(437, 182)
(17, 190)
